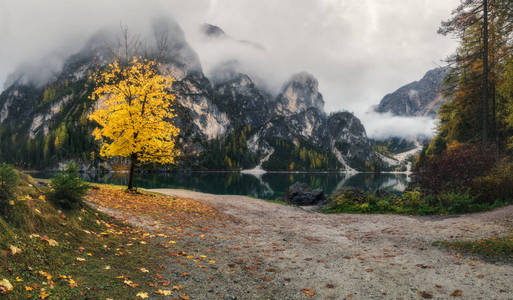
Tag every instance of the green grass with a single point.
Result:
(110, 249)
(488, 248)
(276, 201)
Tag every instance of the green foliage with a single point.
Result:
(8, 182)
(49, 94)
(67, 189)
(68, 135)
(300, 156)
(228, 153)
(497, 184)
(411, 202)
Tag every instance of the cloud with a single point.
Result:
(380, 126)
(359, 50)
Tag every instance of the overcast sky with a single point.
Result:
(359, 50)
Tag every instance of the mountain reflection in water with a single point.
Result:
(266, 186)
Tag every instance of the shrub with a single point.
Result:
(454, 169)
(67, 189)
(383, 205)
(496, 185)
(8, 182)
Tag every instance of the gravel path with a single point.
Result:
(351, 256)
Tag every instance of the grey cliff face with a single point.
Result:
(298, 94)
(419, 98)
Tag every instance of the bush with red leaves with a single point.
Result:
(454, 169)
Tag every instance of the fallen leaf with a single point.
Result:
(144, 270)
(369, 270)
(73, 283)
(480, 276)
(44, 294)
(163, 292)
(80, 259)
(106, 268)
(130, 283)
(28, 288)
(5, 286)
(14, 249)
(425, 295)
(308, 292)
(53, 243)
(330, 286)
(177, 287)
(18, 279)
(184, 297)
(456, 293)
(142, 295)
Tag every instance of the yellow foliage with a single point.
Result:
(135, 116)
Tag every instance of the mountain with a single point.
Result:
(227, 122)
(419, 98)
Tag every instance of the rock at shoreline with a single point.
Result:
(302, 195)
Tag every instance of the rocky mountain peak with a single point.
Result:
(419, 98)
(300, 93)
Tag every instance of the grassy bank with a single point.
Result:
(493, 248)
(78, 254)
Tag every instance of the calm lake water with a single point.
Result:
(266, 186)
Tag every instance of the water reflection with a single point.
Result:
(266, 186)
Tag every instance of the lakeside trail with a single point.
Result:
(246, 248)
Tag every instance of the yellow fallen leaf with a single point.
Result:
(39, 212)
(189, 256)
(130, 283)
(203, 256)
(42, 197)
(89, 254)
(48, 276)
(142, 242)
(107, 268)
(80, 259)
(163, 292)
(73, 283)
(18, 279)
(28, 288)
(172, 242)
(5, 286)
(212, 261)
(144, 270)
(142, 295)
(177, 287)
(44, 294)
(14, 249)
(53, 243)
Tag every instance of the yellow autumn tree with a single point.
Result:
(134, 114)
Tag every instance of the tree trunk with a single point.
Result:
(133, 160)
(484, 97)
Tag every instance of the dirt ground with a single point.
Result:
(264, 250)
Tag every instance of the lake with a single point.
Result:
(266, 186)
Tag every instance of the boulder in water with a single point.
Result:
(302, 195)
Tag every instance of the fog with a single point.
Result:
(359, 50)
